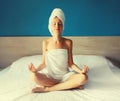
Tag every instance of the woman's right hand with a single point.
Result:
(32, 68)
(85, 69)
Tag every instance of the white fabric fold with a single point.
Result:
(103, 84)
(57, 63)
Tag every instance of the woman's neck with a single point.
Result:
(57, 38)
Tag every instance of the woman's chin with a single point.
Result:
(57, 33)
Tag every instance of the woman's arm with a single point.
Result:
(70, 60)
(44, 48)
(42, 65)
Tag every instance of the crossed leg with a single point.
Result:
(74, 81)
(43, 80)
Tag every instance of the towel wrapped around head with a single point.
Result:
(57, 12)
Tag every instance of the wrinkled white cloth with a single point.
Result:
(103, 83)
(57, 12)
(57, 64)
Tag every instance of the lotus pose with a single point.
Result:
(54, 72)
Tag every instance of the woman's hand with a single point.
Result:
(85, 69)
(32, 68)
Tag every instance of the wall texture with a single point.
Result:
(83, 17)
(13, 48)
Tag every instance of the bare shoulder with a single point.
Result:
(46, 41)
(68, 42)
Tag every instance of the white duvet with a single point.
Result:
(103, 84)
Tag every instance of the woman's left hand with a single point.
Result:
(85, 69)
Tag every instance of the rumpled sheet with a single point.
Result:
(103, 83)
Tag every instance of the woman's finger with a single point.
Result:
(29, 65)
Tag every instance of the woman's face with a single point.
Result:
(57, 26)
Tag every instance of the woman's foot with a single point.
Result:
(81, 87)
(39, 89)
(43, 89)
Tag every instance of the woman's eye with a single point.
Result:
(59, 24)
(54, 23)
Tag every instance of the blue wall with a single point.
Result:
(83, 17)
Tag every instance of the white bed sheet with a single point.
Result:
(103, 84)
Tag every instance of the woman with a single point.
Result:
(57, 59)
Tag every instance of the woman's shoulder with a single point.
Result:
(46, 40)
(68, 41)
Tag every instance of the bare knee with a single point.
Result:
(34, 76)
(38, 78)
(82, 78)
(42, 79)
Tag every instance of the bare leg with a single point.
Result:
(75, 81)
(81, 87)
(43, 81)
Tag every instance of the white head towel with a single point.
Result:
(56, 12)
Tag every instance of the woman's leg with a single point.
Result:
(75, 81)
(43, 80)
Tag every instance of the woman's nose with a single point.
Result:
(57, 26)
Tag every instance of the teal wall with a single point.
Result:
(83, 17)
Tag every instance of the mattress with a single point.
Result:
(103, 83)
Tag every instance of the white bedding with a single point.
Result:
(103, 84)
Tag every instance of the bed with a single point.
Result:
(103, 83)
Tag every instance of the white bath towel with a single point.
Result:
(57, 64)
